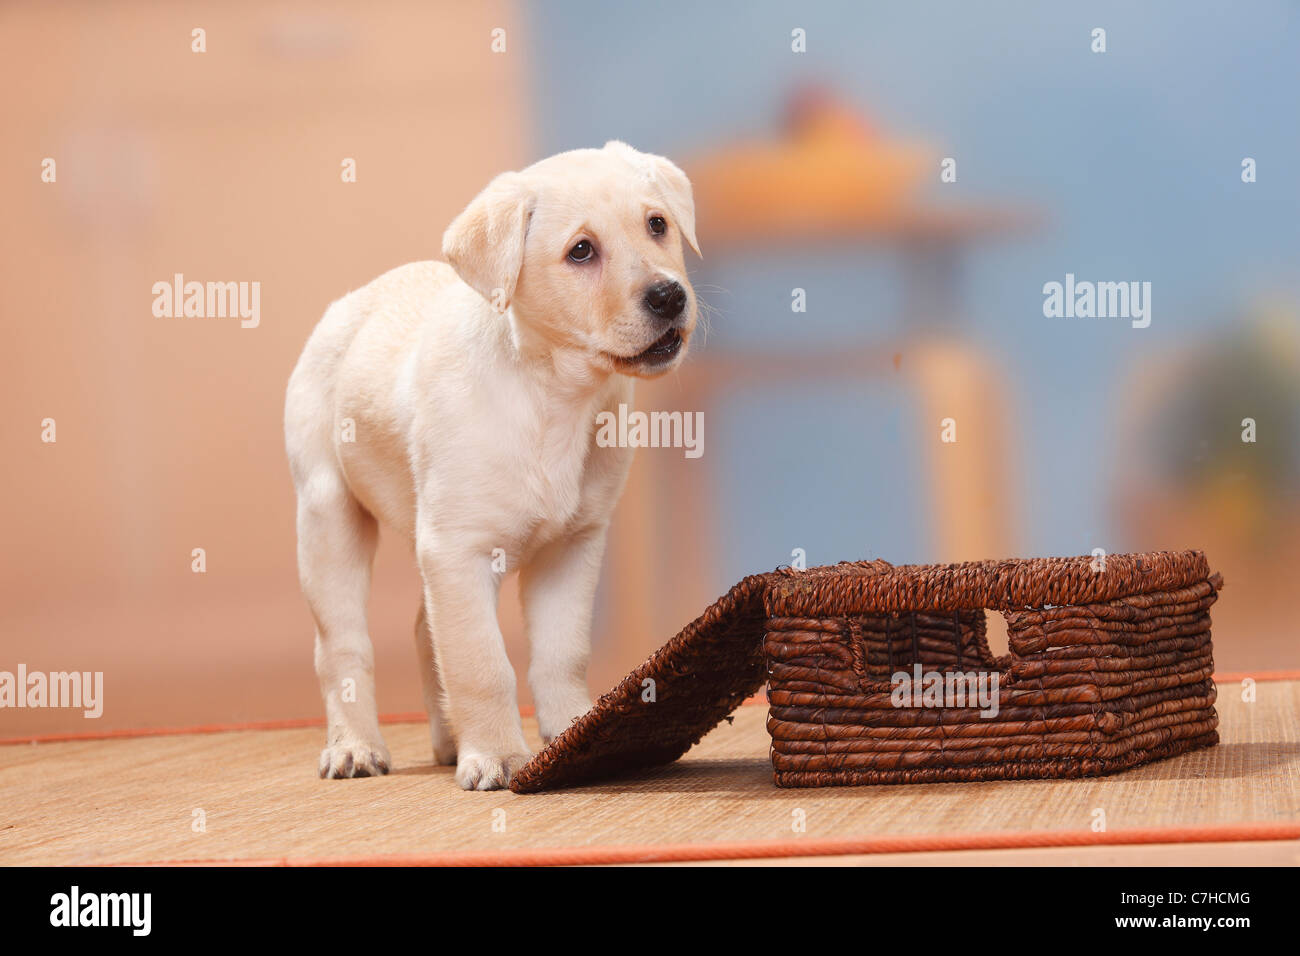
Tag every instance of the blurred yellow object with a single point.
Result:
(1237, 503)
(829, 174)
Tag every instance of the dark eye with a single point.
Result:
(582, 251)
(658, 225)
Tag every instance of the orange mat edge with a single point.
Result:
(694, 852)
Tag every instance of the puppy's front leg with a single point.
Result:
(461, 596)
(557, 589)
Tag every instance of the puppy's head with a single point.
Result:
(585, 249)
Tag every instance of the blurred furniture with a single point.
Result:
(830, 179)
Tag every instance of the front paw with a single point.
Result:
(488, 771)
(354, 760)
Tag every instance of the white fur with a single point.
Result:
(474, 431)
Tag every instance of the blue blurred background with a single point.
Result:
(1135, 155)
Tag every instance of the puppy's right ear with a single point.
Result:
(485, 243)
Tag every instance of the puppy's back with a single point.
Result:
(355, 369)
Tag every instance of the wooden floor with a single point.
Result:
(253, 796)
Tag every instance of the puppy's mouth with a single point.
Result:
(662, 351)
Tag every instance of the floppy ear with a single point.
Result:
(485, 243)
(672, 185)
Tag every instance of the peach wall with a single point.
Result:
(223, 165)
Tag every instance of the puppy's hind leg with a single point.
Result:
(336, 545)
(444, 742)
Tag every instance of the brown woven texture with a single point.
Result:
(1107, 669)
(697, 679)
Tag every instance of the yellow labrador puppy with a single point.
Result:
(457, 405)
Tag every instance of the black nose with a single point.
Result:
(666, 299)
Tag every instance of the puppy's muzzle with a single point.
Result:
(665, 299)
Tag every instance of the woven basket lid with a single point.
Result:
(692, 683)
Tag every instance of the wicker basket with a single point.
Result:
(1109, 667)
